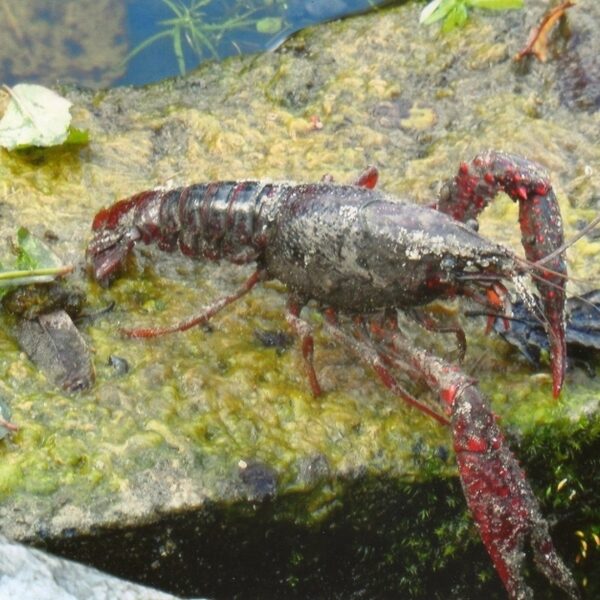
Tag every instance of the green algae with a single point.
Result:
(170, 433)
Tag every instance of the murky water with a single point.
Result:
(117, 42)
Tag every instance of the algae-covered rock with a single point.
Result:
(353, 491)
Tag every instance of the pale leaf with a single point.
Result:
(36, 116)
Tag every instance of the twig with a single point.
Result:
(537, 44)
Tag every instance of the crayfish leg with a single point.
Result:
(367, 179)
(369, 353)
(304, 331)
(209, 312)
(430, 323)
(8, 425)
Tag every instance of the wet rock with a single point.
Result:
(312, 469)
(146, 446)
(53, 343)
(120, 365)
(579, 74)
(280, 340)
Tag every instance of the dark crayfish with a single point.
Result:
(359, 253)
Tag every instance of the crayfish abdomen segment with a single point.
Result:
(220, 220)
(209, 220)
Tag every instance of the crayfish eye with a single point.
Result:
(448, 263)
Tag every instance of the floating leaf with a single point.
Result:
(269, 25)
(35, 116)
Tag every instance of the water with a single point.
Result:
(101, 43)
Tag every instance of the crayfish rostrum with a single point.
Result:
(361, 255)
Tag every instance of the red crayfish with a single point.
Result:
(357, 252)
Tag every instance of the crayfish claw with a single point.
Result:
(502, 502)
(476, 185)
(549, 563)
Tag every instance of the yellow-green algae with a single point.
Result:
(170, 433)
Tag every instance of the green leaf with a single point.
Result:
(35, 116)
(496, 4)
(269, 25)
(457, 17)
(35, 263)
(436, 10)
(77, 136)
(33, 253)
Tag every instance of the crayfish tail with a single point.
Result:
(109, 249)
(115, 235)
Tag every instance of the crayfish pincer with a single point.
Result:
(361, 256)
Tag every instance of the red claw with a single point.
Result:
(541, 230)
(542, 235)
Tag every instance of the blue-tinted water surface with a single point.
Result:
(118, 42)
